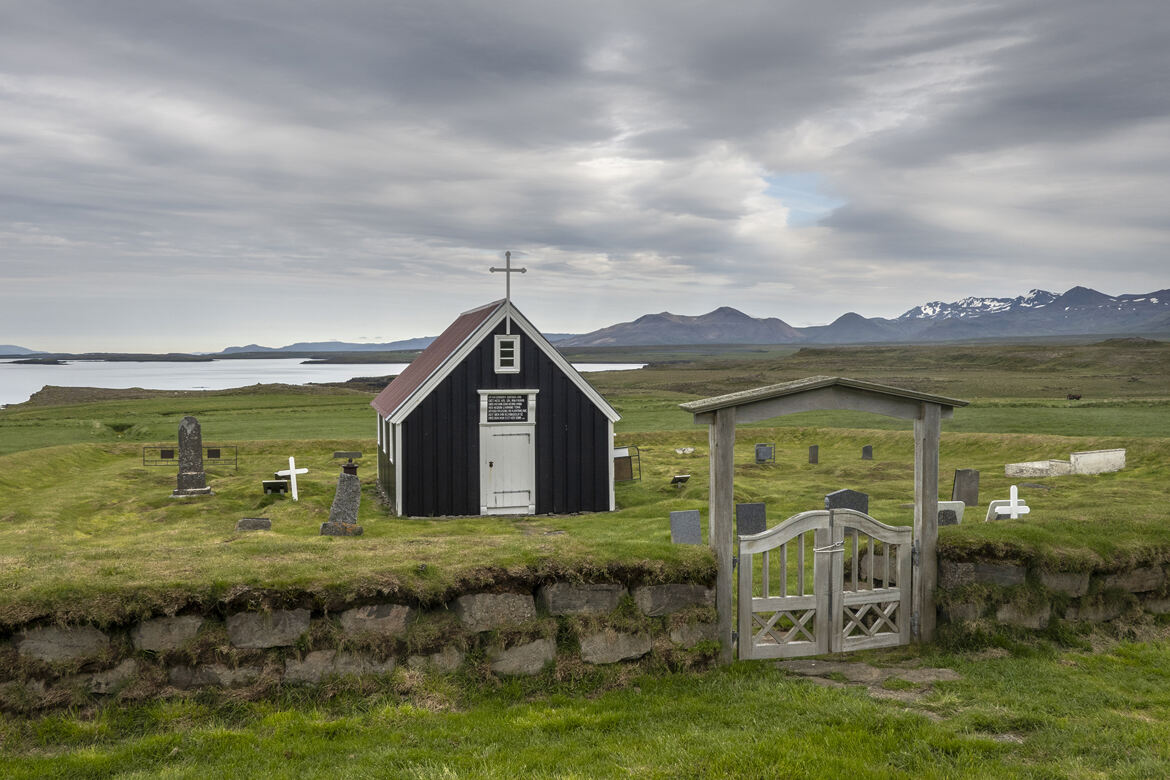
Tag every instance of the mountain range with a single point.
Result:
(1079, 311)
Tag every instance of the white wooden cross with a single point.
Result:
(1000, 507)
(1014, 506)
(291, 472)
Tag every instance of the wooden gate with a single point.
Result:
(860, 596)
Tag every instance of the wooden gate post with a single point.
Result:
(925, 576)
(721, 437)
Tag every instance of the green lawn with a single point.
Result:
(1034, 713)
(89, 534)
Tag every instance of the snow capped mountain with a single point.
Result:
(973, 307)
(1078, 311)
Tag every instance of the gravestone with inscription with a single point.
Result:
(765, 453)
(750, 519)
(848, 499)
(966, 487)
(686, 527)
(192, 480)
(867, 452)
(814, 453)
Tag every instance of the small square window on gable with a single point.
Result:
(507, 354)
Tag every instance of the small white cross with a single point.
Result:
(291, 472)
(1014, 507)
(508, 270)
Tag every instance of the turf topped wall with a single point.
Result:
(551, 628)
(979, 593)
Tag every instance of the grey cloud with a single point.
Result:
(321, 153)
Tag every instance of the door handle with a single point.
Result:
(491, 464)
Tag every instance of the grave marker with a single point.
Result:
(750, 519)
(291, 472)
(627, 464)
(765, 453)
(848, 499)
(867, 452)
(349, 467)
(343, 514)
(274, 486)
(966, 487)
(814, 453)
(955, 508)
(686, 527)
(192, 481)
(1013, 507)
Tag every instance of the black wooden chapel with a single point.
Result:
(491, 419)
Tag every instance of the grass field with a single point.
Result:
(1033, 712)
(87, 533)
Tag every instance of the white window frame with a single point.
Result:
(515, 367)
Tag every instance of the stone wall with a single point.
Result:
(518, 632)
(1022, 596)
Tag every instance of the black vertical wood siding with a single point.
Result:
(440, 438)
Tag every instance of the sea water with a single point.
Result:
(19, 381)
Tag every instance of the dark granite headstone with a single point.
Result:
(686, 527)
(254, 524)
(948, 517)
(274, 486)
(192, 480)
(848, 499)
(966, 487)
(750, 519)
(765, 453)
(867, 452)
(814, 453)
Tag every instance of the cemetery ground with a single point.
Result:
(88, 534)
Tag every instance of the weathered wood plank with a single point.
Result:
(721, 436)
(745, 605)
(926, 443)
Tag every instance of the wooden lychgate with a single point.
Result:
(857, 595)
(722, 413)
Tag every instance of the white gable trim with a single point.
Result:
(564, 365)
(473, 341)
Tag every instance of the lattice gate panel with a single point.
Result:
(859, 573)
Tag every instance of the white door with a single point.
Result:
(507, 469)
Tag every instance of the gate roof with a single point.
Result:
(821, 392)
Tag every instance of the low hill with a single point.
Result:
(724, 325)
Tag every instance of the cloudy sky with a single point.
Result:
(193, 175)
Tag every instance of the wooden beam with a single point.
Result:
(926, 442)
(721, 437)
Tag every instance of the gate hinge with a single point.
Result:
(734, 636)
(914, 624)
(734, 561)
(914, 554)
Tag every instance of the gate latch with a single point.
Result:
(834, 547)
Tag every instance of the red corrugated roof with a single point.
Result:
(434, 356)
